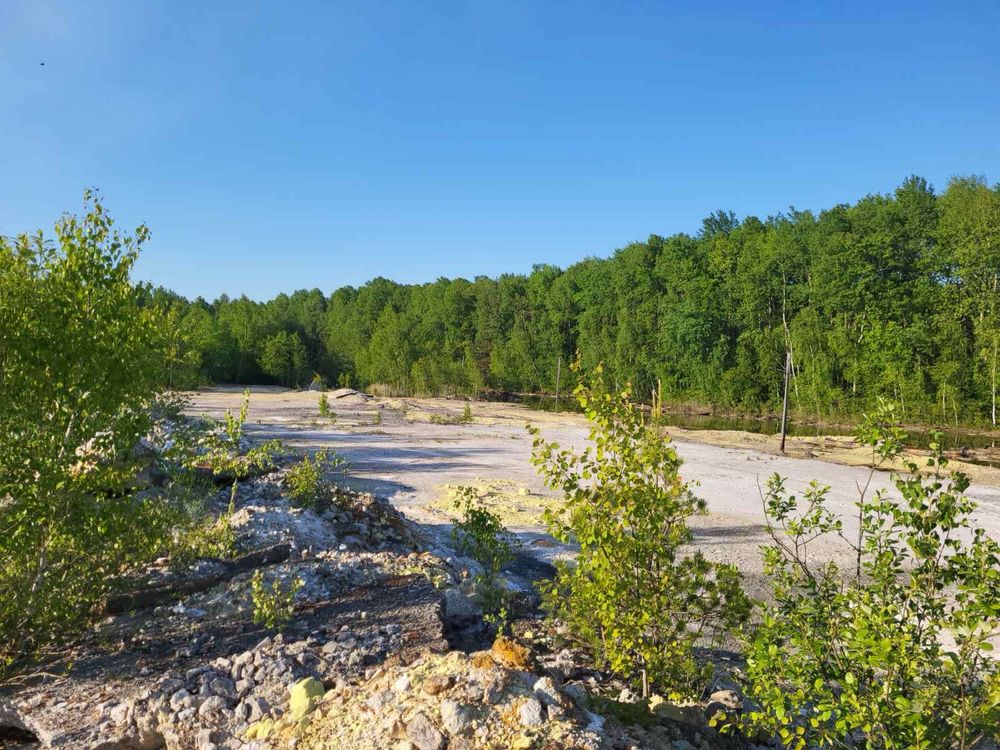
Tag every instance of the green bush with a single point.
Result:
(202, 535)
(305, 482)
(464, 418)
(79, 365)
(273, 602)
(325, 410)
(481, 534)
(896, 652)
(222, 451)
(639, 603)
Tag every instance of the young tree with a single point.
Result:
(637, 599)
(894, 653)
(78, 369)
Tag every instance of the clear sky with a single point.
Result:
(284, 145)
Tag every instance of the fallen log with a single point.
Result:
(165, 592)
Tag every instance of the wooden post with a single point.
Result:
(784, 403)
(558, 376)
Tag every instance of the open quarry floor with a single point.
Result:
(400, 449)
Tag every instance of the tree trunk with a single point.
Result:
(784, 401)
(993, 384)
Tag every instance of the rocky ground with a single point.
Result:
(414, 451)
(385, 649)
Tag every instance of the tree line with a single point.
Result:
(894, 296)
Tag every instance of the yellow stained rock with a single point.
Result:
(510, 653)
(482, 660)
(259, 730)
(304, 695)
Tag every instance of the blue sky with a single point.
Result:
(277, 146)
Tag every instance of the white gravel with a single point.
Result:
(407, 459)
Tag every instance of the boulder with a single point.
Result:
(305, 694)
(459, 609)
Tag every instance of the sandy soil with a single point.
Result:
(395, 449)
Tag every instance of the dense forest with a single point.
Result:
(894, 296)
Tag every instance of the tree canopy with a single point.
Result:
(893, 296)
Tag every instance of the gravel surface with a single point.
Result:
(395, 450)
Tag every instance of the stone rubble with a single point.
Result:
(363, 664)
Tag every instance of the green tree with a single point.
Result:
(78, 369)
(893, 296)
(861, 657)
(283, 357)
(388, 358)
(632, 595)
(970, 235)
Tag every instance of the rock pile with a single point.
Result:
(455, 701)
(497, 699)
(195, 671)
(364, 662)
(212, 705)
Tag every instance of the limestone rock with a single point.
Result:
(547, 692)
(424, 734)
(437, 683)
(530, 713)
(458, 609)
(455, 717)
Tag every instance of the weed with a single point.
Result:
(481, 534)
(305, 481)
(273, 601)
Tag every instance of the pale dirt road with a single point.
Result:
(412, 461)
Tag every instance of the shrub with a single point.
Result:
(78, 370)
(464, 418)
(481, 534)
(631, 595)
(305, 481)
(861, 657)
(202, 536)
(223, 452)
(325, 410)
(273, 601)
